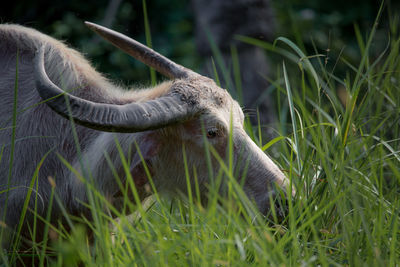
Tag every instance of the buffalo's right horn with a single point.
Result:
(132, 117)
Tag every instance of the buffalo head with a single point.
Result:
(190, 113)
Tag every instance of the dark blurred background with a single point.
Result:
(325, 27)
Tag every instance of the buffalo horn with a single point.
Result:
(142, 53)
(132, 117)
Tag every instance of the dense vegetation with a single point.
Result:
(337, 140)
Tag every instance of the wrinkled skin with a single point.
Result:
(221, 115)
(162, 150)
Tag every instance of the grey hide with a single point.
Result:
(42, 134)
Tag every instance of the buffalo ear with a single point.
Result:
(146, 147)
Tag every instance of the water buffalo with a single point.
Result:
(160, 122)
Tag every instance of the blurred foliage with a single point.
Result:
(328, 25)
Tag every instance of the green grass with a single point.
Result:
(341, 154)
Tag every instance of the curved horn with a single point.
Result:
(142, 53)
(133, 117)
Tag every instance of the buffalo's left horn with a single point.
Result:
(142, 53)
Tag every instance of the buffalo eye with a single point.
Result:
(211, 133)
